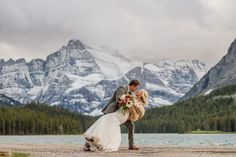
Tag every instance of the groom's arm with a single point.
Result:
(119, 93)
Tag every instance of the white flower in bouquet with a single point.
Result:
(127, 101)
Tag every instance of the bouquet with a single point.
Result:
(127, 101)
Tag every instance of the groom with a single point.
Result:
(114, 105)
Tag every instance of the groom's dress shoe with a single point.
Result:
(133, 148)
(86, 148)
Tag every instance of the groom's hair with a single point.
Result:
(134, 82)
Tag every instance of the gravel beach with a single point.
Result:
(53, 150)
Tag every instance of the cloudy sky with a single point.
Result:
(140, 29)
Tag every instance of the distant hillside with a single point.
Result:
(215, 111)
(34, 119)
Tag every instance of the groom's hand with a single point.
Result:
(120, 103)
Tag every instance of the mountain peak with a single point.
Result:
(2, 61)
(75, 44)
(198, 63)
(21, 60)
(10, 61)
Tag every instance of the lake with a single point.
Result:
(140, 139)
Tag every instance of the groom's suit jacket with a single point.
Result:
(112, 105)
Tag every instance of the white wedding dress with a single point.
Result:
(106, 131)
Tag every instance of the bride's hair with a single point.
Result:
(144, 96)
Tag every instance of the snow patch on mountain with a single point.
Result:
(113, 65)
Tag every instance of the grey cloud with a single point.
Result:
(140, 29)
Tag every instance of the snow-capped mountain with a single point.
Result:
(83, 79)
(222, 74)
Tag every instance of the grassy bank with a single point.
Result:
(14, 154)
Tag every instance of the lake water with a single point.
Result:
(140, 139)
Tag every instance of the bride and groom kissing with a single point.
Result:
(125, 107)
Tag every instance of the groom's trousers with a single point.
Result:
(130, 126)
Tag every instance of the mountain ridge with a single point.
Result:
(82, 79)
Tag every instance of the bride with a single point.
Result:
(105, 134)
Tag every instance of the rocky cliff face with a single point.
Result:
(222, 74)
(83, 79)
(6, 101)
